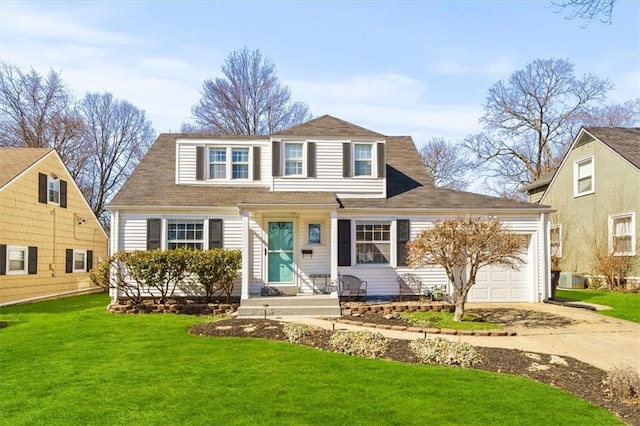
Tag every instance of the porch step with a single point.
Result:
(310, 306)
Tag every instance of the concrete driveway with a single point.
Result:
(590, 337)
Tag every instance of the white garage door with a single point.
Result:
(499, 284)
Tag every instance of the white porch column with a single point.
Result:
(334, 247)
(246, 255)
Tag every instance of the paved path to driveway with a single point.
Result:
(596, 339)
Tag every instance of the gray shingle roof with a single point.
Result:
(14, 161)
(623, 140)
(408, 184)
(328, 126)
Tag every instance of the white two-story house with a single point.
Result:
(309, 203)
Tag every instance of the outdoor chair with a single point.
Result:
(409, 284)
(350, 286)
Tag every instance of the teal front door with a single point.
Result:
(280, 252)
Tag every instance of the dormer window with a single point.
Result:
(220, 168)
(583, 177)
(363, 159)
(54, 190)
(293, 159)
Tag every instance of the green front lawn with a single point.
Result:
(445, 320)
(70, 362)
(624, 305)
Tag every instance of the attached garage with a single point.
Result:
(500, 284)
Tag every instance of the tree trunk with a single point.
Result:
(457, 316)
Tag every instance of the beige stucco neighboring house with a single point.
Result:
(49, 237)
(596, 196)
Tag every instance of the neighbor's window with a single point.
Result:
(583, 177)
(17, 260)
(217, 163)
(373, 242)
(556, 240)
(292, 159)
(54, 190)
(79, 261)
(185, 233)
(622, 238)
(363, 159)
(240, 163)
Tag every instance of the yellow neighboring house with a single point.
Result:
(49, 237)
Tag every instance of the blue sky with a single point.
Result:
(400, 68)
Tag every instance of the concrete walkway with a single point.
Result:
(585, 335)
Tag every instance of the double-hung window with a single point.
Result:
(363, 159)
(583, 177)
(228, 163)
(373, 242)
(217, 163)
(16, 260)
(240, 163)
(622, 235)
(293, 159)
(79, 261)
(53, 185)
(185, 233)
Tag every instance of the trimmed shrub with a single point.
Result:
(359, 343)
(442, 351)
(624, 382)
(295, 332)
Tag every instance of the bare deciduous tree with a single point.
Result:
(248, 100)
(587, 9)
(117, 135)
(530, 120)
(626, 114)
(38, 112)
(463, 245)
(446, 163)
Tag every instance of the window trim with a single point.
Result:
(229, 163)
(213, 163)
(56, 190)
(25, 269)
(373, 160)
(186, 240)
(576, 168)
(302, 159)
(84, 262)
(392, 237)
(611, 223)
(558, 226)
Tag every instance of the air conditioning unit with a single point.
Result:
(571, 280)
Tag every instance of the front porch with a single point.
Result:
(319, 305)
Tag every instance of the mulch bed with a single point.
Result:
(576, 377)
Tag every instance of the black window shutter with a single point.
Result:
(276, 167)
(153, 233)
(32, 267)
(89, 260)
(382, 162)
(311, 159)
(215, 233)
(200, 163)
(346, 159)
(3, 259)
(256, 163)
(63, 194)
(344, 242)
(404, 235)
(68, 264)
(43, 188)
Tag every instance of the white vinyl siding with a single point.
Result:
(329, 175)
